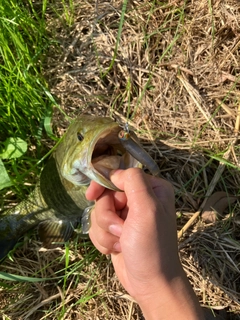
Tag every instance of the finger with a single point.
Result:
(94, 191)
(138, 189)
(164, 192)
(138, 185)
(104, 241)
(161, 187)
(133, 181)
(106, 215)
(120, 200)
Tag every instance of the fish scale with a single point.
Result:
(89, 150)
(49, 207)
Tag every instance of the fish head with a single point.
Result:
(90, 149)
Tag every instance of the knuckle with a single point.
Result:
(98, 243)
(105, 251)
(104, 239)
(104, 220)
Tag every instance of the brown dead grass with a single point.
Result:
(176, 79)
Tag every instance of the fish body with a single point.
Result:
(89, 150)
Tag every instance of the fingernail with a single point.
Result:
(114, 172)
(117, 247)
(115, 229)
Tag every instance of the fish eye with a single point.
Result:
(80, 136)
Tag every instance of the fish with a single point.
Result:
(89, 150)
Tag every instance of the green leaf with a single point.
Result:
(5, 180)
(14, 148)
(48, 124)
(14, 277)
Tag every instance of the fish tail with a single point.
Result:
(8, 234)
(6, 245)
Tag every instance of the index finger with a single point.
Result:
(94, 191)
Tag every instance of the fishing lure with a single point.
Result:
(130, 144)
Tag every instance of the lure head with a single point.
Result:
(124, 135)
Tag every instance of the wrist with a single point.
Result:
(174, 299)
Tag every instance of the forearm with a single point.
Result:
(175, 300)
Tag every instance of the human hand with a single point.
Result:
(138, 228)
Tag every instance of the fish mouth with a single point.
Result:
(108, 154)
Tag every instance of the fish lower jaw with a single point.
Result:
(104, 165)
(98, 170)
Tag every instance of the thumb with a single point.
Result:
(144, 190)
(137, 187)
(132, 181)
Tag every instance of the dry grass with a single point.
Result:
(176, 79)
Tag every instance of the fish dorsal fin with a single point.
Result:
(55, 232)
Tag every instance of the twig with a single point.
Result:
(212, 185)
(226, 108)
(198, 101)
(237, 124)
(230, 54)
(41, 304)
(124, 120)
(216, 177)
(130, 310)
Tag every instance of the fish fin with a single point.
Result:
(55, 232)
(6, 245)
(85, 221)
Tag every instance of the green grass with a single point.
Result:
(23, 45)
(25, 101)
(26, 104)
(26, 107)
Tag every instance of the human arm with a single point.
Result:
(138, 228)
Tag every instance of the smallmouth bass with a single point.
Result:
(89, 150)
